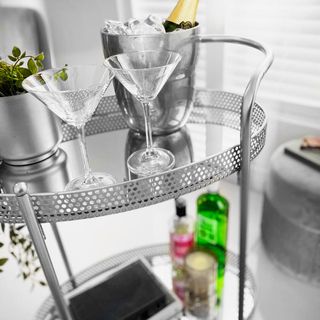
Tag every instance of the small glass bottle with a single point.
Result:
(181, 242)
(200, 299)
(212, 229)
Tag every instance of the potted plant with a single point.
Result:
(29, 132)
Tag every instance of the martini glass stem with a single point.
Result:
(85, 160)
(148, 130)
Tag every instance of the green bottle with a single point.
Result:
(212, 230)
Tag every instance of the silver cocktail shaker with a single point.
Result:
(29, 132)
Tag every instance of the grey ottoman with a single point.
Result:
(291, 216)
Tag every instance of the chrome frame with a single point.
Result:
(37, 236)
(248, 101)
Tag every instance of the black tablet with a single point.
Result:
(131, 292)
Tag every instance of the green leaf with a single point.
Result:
(37, 269)
(19, 83)
(42, 283)
(12, 234)
(32, 66)
(3, 261)
(22, 226)
(25, 72)
(2, 226)
(1, 270)
(1, 244)
(23, 55)
(40, 56)
(12, 58)
(39, 64)
(16, 52)
(63, 74)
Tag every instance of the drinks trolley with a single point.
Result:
(217, 107)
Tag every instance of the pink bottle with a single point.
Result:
(181, 242)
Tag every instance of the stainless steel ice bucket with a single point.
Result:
(172, 107)
(29, 132)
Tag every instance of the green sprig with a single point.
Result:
(18, 67)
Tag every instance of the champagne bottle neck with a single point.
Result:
(184, 11)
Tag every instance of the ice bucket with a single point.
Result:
(170, 110)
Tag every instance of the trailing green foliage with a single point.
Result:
(21, 249)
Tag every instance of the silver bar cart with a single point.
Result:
(227, 109)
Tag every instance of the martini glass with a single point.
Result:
(73, 93)
(143, 74)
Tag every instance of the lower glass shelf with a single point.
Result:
(158, 256)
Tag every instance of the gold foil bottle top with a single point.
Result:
(184, 12)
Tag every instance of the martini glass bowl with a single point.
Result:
(73, 93)
(143, 74)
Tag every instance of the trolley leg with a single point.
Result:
(244, 198)
(63, 254)
(21, 191)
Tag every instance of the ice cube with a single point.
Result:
(142, 28)
(155, 22)
(133, 25)
(146, 26)
(150, 25)
(115, 27)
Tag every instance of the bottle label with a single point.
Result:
(207, 230)
(180, 245)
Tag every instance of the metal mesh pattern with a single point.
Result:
(47, 310)
(209, 107)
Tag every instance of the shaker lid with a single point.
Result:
(181, 207)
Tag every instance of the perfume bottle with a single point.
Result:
(212, 229)
(181, 242)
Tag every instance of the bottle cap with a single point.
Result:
(213, 188)
(181, 207)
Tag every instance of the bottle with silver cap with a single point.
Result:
(181, 242)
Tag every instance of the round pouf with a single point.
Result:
(291, 216)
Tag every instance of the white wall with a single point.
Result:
(285, 122)
(75, 28)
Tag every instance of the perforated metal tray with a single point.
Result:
(210, 107)
(158, 256)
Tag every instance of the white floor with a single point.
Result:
(280, 297)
